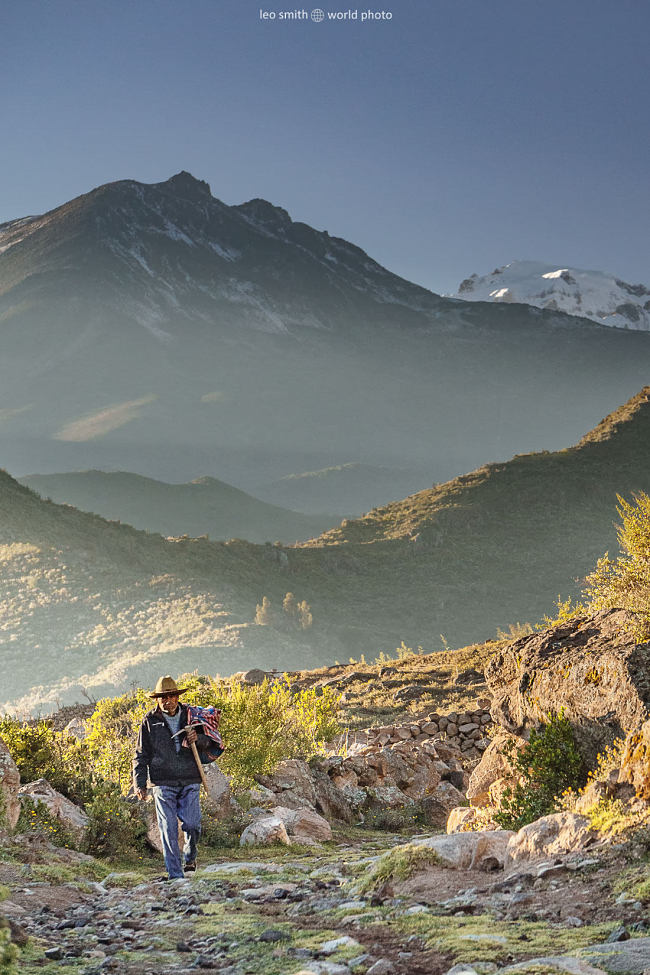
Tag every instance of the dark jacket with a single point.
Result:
(156, 757)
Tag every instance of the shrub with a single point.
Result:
(112, 731)
(8, 951)
(261, 724)
(115, 828)
(625, 582)
(547, 765)
(41, 752)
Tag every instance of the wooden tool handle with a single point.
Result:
(199, 765)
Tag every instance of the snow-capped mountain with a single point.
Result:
(156, 329)
(591, 294)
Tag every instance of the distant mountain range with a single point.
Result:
(601, 297)
(353, 488)
(89, 606)
(203, 507)
(154, 329)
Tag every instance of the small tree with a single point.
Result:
(264, 613)
(290, 606)
(305, 617)
(625, 582)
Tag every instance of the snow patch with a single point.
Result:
(556, 274)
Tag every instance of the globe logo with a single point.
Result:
(317, 15)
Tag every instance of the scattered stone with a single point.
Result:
(335, 944)
(553, 963)
(274, 934)
(381, 967)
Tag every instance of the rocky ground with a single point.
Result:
(291, 909)
(568, 893)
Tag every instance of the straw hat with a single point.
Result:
(166, 685)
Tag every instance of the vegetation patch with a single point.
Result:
(548, 765)
(458, 936)
(398, 864)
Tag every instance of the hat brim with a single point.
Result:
(177, 692)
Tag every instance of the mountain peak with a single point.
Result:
(188, 186)
(591, 294)
(265, 214)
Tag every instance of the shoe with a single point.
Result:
(190, 867)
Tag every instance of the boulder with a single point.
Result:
(459, 818)
(72, 817)
(220, 796)
(625, 957)
(437, 806)
(470, 851)
(303, 825)
(562, 832)
(9, 786)
(590, 666)
(264, 831)
(493, 766)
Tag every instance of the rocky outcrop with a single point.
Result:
(635, 762)
(392, 777)
(589, 667)
(72, 817)
(9, 786)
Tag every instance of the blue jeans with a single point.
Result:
(173, 803)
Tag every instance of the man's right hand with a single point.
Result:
(141, 794)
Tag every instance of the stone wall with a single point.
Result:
(465, 730)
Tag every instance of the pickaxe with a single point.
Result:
(195, 752)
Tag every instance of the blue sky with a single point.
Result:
(457, 136)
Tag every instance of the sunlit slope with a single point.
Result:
(93, 604)
(89, 605)
(491, 547)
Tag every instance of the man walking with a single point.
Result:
(161, 757)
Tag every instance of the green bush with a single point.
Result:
(546, 766)
(41, 752)
(8, 951)
(261, 725)
(116, 828)
(625, 582)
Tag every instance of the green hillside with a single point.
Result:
(494, 546)
(89, 605)
(204, 506)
